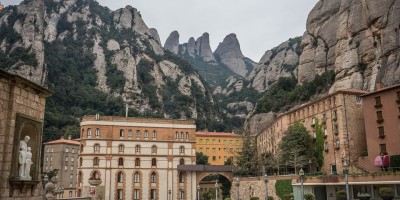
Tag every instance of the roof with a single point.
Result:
(382, 90)
(15, 78)
(217, 134)
(63, 141)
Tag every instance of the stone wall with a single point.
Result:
(22, 105)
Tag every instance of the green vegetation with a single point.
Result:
(201, 159)
(19, 54)
(341, 195)
(395, 162)
(254, 198)
(283, 187)
(319, 142)
(247, 162)
(309, 196)
(386, 192)
(286, 93)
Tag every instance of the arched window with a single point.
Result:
(176, 135)
(182, 135)
(120, 177)
(187, 135)
(97, 132)
(89, 132)
(129, 133)
(121, 148)
(120, 161)
(95, 175)
(137, 149)
(181, 149)
(154, 149)
(137, 162)
(96, 148)
(146, 134)
(154, 135)
(136, 177)
(153, 178)
(81, 149)
(181, 177)
(83, 132)
(80, 178)
(121, 133)
(80, 162)
(153, 162)
(95, 161)
(137, 134)
(182, 161)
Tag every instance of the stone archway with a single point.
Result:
(201, 175)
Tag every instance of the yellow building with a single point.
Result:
(218, 146)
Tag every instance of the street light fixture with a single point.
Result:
(266, 186)
(301, 174)
(238, 187)
(216, 189)
(198, 192)
(346, 178)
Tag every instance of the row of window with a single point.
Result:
(314, 109)
(121, 148)
(178, 135)
(153, 194)
(213, 141)
(226, 150)
(96, 162)
(51, 149)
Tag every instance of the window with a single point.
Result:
(176, 135)
(47, 158)
(207, 150)
(70, 185)
(120, 177)
(201, 149)
(207, 141)
(120, 194)
(96, 148)
(71, 176)
(47, 150)
(137, 162)
(337, 144)
(80, 162)
(154, 135)
(73, 150)
(97, 132)
(89, 132)
(326, 147)
(121, 148)
(129, 133)
(136, 177)
(398, 95)
(182, 135)
(137, 149)
(121, 133)
(379, 117)
(72, 168)
(214, 158)
(120, 161)
(381, 131)
(334, 115)
(187, 135)
(65, 167)
(67, 150)
(181, 194)
(70, 193)
(95, 175)
(153, 162)
(137, 134)
(181, 177)
(201, 141)
(213, 141)
(213, 150)
(182, 161)
(136, 194)
(51, 158)
(72, 159)
(153, 178)
(154, 149)
(225, 150)
(382, 147)
(152, 194)
(358, 99)
(237, 142)
(182, 149)
(378, 101)
(146, 134)
(95, 161)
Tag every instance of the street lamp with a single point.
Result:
(198, 192)
(346, 178)
(238, 189)
(301, 174)
(216, 189)
(266, 186)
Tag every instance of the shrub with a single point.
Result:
(309, 196)
(386, 192)
(395, 162)
(283, 187)
(341, 195)
(270, 198)
(254, 198)
(288, 196)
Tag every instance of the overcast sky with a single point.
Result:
(259, 24)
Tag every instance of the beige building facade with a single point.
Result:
(339, 114)
(63, 155)
(22, 105)
(136, 158)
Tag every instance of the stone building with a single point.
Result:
(63, 155)
(136, 158)
(342, 121)
(218, 146)
(22, 105)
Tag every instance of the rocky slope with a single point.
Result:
(98, 56)
(359, 40)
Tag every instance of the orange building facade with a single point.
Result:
(218, 146)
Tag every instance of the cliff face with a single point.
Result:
(359, 40)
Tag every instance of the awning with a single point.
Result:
(379, 162)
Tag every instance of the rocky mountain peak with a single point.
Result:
(203, 48)
(154, 34)
(231, 55)
(172, 42)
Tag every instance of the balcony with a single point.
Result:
(398, 101)
(381, 136)
(379, 121)
(378, 105)
(94, 182)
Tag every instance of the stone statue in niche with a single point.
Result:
(25, 159)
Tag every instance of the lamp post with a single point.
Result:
(238, 187)
(266, 186)
(216, 189)
(198, 192)
(301, 174)
(169, 194)
(346, 178)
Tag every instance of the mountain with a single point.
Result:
(99, 61)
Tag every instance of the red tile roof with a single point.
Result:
(382, 90)
(217, 134)
(63, 141)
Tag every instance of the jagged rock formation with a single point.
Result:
(229, 53)
(203, 48)
(279, 62)
(356, 39)
(172, 42)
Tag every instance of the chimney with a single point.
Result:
(69, 137)
(379, 86)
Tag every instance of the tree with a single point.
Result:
(201, 159)
(296, 146)
(229, 161)
(272, 161)
(247, 161)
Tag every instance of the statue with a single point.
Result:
(23, 146)
(28, 163)
(50, 187)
